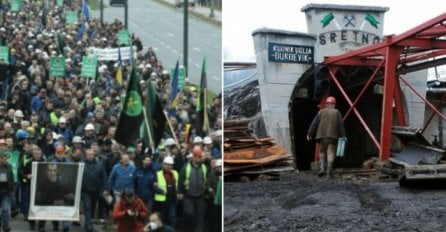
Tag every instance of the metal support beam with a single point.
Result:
(399, 104)
(392, 58)
(347, 98)
(433, 108)
(442, 99)
(366, 86)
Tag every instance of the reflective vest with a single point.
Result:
(54, 119)
(204, 169)
(162, 184)
(25, 162)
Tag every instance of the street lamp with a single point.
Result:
(185, 35)
(126, 14)
(102, 12)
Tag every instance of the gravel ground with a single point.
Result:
(304, 202)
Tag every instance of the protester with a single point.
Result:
(129, 213)
(166, 188)
(94, 182)
(122, 177)
(25, 175)
(6, 189)
(156, 224)
(145, 177)
(192, 188)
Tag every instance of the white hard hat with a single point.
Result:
(169, 142)
(207, 140)
(77, 139)
(89, 126)
(62, 120)
(218, 163)
(168, 160)
(18, 113)
(198, 139)
(59, 136)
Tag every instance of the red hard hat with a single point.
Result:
(331, 100)
(196, 152)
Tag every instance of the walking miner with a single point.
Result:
(326, 128)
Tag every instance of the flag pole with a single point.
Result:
(171, 130)
(149, 132)
(205, 112)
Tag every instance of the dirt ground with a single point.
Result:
(305, 202)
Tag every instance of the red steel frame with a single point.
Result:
(415, 46)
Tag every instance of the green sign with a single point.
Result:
(71, 17)
(57, 67)
(89, 66)
(181, 77)
(15, 5)
(59, 3)
(123, 37)
(4, 54)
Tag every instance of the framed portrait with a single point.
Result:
(55, 191)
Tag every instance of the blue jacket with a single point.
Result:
(145, 177)
(122, 178)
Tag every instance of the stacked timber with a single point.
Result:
(246, 153)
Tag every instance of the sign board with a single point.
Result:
(181, 76)
(15, 5)
(123, 37)
(59, 3)
(57, 67)
(56, 191)
(89, 66)
(112, 54)
(71, 17)
(290, 53)
(4, 54)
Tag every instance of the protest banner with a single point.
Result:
(89, 65)
(57, 67)
(56, 191)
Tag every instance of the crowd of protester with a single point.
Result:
(74, 119)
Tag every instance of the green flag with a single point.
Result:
(60, 43)
(131, 114)
(89, 66)
(57, 67)
(181, 77)
(201, 119)
(4, 54)
(154, 118)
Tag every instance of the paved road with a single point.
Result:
(161, 27)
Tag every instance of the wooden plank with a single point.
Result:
(253, 153)
(264, 160)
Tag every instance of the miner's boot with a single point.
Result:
(323, 166)
(329, 169)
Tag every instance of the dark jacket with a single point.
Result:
(145, 177)
(7, 186)
(94, 179)
(25, 169)
(164, 228)
(195, 185)
(327, 124)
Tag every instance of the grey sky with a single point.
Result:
(241, 17)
